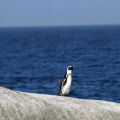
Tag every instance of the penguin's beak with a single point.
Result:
(72, 67)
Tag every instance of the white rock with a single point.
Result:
(16, 105)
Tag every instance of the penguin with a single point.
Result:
(65, 82)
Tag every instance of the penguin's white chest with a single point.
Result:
(66, 88)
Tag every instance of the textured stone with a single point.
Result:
(16, 105)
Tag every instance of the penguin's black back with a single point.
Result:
(62, 84)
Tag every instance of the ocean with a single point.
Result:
(33, 59)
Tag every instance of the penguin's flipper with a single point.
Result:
(60, 81)
(64, 82)
(63, 79)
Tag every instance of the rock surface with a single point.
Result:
(16, 105)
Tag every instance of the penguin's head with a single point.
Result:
(69, 69)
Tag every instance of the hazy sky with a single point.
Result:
(59, 12)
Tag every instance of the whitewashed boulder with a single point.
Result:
(16, 105)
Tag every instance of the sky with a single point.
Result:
(59, 12)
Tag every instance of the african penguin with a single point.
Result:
(66, 82)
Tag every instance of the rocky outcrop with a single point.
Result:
(16, 105)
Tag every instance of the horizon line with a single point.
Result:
(60, 25)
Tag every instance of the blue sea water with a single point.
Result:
(33, 59)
